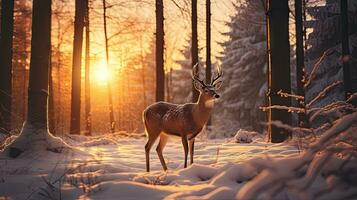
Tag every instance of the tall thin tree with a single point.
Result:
(208, 46)
(160, 73)
(299, 34)
(7, 27)
(278, 66)
(194, 48)
(109, 87)
(88, 117)
(76, 67)
(34, 133)
(349, 74)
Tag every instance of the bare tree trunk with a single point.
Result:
(349, 74)
(194, 48)
(7, 28)
(51, 107)
(143, 73)
(34, 134)
(300, 65)
(88, 116)
(160, 42)
(208, 47)
(278, 66)
(109, 88)
(76, 67)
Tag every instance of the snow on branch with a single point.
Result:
(323, 93)
(284, 94)
(289, 109)
(279, 124)
(275, 176)
(352, 97)
(327, 53)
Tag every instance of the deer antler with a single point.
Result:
(195, 75)
(218, 76)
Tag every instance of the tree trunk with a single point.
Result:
(7, 26)
(194, 48)
(349, 74)
(278, 66)
(51, 106)
(300, 65)
(34, 134)
(76, 67)
(109, 88)
(88, 116)
(160, 73)
(208, 47)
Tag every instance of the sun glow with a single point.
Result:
(100, 73)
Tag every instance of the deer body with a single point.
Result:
(162, 119)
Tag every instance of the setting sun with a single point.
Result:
(101, 74)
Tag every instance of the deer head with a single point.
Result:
(208, 90)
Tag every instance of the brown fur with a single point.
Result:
(183, 120)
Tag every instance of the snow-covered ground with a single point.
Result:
(114, 168)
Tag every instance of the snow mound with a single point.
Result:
(243, 136)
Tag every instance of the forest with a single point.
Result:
(178, 99)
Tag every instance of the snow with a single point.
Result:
(108, 167)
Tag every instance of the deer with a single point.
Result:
(163, 119)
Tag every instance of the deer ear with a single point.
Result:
(218, 85)
(196, 84)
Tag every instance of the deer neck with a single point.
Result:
(203, 109)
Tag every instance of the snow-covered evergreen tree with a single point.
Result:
(244, 69)
(181, 78)
(324, 66)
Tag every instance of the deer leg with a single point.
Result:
(151, 141)
(160, 148)
(185, 147)
(192, 148)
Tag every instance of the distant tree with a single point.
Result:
(76, 67)
(324, 53)
(194, 48)
(20, 62)
(109, 84)
(7, 28)
(34, 133)
(244, 67)
(278, 66)
(160, 73)
(88, 117)
(208, 46)
(181, 78)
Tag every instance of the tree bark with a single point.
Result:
(349, 74)
(39, 64)
(7, 26)
(208, 47)
(76, 67)
(278, 66)
(160, 42)
(194, 48)
(300, 65)
(88, 116)
(109, 88)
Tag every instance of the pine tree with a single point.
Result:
(325, 42)
(181, 78)
(244, 68)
